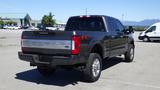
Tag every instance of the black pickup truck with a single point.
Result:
(86, 41)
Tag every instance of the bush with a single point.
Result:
(139, 28)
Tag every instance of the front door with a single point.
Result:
(118, 40)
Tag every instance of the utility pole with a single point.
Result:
(122, 17)
(126, 16)
(86, 11)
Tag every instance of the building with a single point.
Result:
(23, 20)
(19, 19)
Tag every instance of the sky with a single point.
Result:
(128, 10)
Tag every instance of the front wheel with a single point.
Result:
(129, 55)
(146, 39)
(93, 68)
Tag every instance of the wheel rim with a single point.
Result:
(96, 67)
(131, 53)
(145, 39)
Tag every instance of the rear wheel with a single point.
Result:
(129, 55)
(45, 71)
(93, 68)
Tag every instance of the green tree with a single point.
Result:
(10, 23)
(48, 21)
(1, 24)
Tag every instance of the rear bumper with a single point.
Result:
(52, 60)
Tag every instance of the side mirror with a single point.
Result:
(129, 30)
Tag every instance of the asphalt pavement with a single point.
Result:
(142, 74)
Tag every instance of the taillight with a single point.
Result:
(75, 44)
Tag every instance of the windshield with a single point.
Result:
(85, 24)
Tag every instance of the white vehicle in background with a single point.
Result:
(15, 27)
(5, 27)
(61, 29)
(34, 28)
(11, 27)
(51, 28)
(151, 34)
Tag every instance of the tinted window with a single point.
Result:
(112, 25)
(120, 26)
(85, 24)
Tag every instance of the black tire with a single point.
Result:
(90, 74)
(45, 71)
(129, 55)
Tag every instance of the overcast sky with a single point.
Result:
(133, 10)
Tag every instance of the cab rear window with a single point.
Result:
(85, 24)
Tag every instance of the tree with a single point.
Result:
(10, 23)
(1, 22)
(27, 20)
(48, 21)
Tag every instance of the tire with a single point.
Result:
(146, 39)
(129, 55)
(45, 71)
(93, 68)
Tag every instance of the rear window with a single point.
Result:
(85, 24)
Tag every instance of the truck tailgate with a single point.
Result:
(47, 42)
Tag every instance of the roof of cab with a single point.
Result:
(93, 16)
